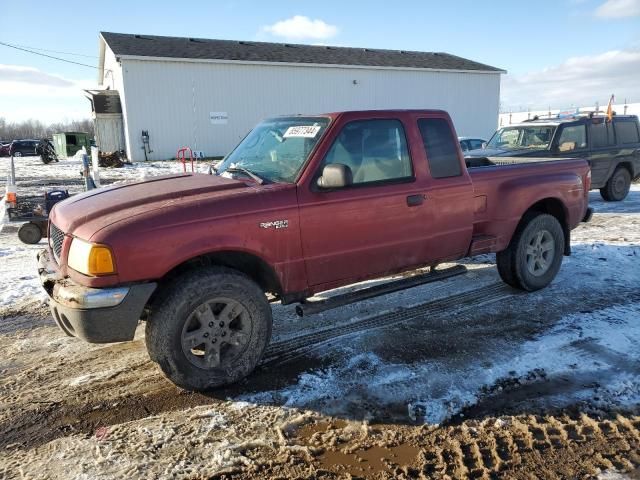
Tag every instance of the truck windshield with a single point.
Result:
(529, 136)
(275, 150)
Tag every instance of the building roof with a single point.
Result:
(123, 44)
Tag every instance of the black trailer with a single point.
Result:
(33, 212)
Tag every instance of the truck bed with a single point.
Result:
(504, 187)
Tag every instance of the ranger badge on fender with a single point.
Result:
(275, 224)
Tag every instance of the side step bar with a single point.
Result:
(309, 308)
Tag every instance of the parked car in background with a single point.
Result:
(612, 148)
(23, 148)
(470, 143)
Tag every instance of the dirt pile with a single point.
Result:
(112, 160)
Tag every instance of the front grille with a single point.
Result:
(56, 237)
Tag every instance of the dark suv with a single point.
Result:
(611, 147)
(21, 148)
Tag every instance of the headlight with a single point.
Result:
(90, 258)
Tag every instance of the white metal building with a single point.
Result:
(207, 94)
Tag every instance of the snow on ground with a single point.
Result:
(31, 171)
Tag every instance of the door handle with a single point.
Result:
(415, 200)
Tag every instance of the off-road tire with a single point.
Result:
(618, 185)
(512, 262)
(180, 300)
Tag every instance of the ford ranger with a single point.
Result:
(303, 204)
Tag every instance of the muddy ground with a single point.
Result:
(463, 379)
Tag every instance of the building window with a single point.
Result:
(440, 147)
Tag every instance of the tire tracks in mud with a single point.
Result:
(518, 447)
(290, 348)
(547, 447)
(455, 309)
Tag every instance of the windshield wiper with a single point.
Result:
(255, 177)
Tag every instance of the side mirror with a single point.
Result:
(484, 144)
(335, 175)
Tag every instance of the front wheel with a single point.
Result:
(533, 258)
(617, 187)
(209, 329)
(17, 154)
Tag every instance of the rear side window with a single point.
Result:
(573, 137)
(602, 134)
(374, 150)
(627, 132)
(440, 147)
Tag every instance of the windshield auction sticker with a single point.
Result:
(305, 131)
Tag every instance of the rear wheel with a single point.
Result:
(533, 258)
(210, 328)
(617, 187)
(17, 154)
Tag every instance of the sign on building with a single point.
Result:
(219, 118)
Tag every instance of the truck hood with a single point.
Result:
(501, 152)
(84, 214)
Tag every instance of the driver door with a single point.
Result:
(372, 226)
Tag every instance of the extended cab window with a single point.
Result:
(601, 134)
(374, 150)
(440, 147)
(627, 132)
(572, 137)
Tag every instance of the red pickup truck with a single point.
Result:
(302, 205)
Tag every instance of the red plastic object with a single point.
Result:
(182, 157)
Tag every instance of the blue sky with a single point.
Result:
(548, 47)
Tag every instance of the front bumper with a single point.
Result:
(97, 315)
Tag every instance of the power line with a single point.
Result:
(56, 51)
(48, 56)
